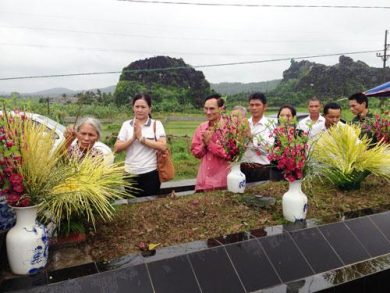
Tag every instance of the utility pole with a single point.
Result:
(384, 58)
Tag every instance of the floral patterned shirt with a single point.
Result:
(75, 151)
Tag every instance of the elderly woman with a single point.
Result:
(84, 138)
(141, 137)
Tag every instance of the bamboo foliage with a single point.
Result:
(345, 159)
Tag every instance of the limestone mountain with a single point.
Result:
(166, 78)
(329, 82)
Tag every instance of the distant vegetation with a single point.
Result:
(183, 89)
(233, 88)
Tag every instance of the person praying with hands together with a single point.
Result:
(141, 142)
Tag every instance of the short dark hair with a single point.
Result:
(331, 105)
(218, 97)
(314, 99)
(360, 98)
(146, 97)
(288, 106)
(258, 96)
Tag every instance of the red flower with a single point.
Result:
(13, 199)
(16, 179)
(289, 152)
(18, 188)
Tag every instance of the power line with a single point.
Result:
(185, 67)
(256, 5)
(176, 38)
(145, 52)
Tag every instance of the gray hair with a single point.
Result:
(241, 109)
(95, 123)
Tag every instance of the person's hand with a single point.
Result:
(70, 133)
(137, 129)
(206, 136)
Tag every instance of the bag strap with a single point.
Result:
(154, 130)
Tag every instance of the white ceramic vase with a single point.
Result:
(27, 243)
(236, 180)
(294, 202)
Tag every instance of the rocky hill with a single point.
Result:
(173, 79)
(343, 79)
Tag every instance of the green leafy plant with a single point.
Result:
(345, 160)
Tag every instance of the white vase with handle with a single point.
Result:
(27, 242)
(236, 181)
(294, 202)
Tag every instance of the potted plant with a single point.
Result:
(40, 179)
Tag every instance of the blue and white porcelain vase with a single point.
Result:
(27, 243)
(7, 215)
(294, 202)
(236, 181)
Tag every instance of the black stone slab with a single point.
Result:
(316, 250)
(130, 279)
(215, 272)
(252, 265)
(383, 223)
(378, 282)
(356, 286)
(369, 235)
(182, 249)
(233, 238)
(285, 257)
(72, 272)
(173, 275)
(121, 262)
(26, 282)
(344, 243)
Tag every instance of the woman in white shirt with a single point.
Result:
(140, 139)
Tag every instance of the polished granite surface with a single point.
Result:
(305, 256)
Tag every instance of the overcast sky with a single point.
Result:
(43, 37)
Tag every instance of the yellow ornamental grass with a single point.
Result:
(65, 187)
(345, 159)
(39, 166)
(89, 187)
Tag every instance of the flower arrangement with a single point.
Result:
(290, 151)
(345, 158)
(378, 127)
(11, 181)
(233, 135)
(34, 172)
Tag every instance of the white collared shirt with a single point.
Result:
(140, 159)
(313, 128)
(262, 139)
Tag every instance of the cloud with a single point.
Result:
(53, 37)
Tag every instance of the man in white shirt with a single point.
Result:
(314, 123)
(255, 164)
